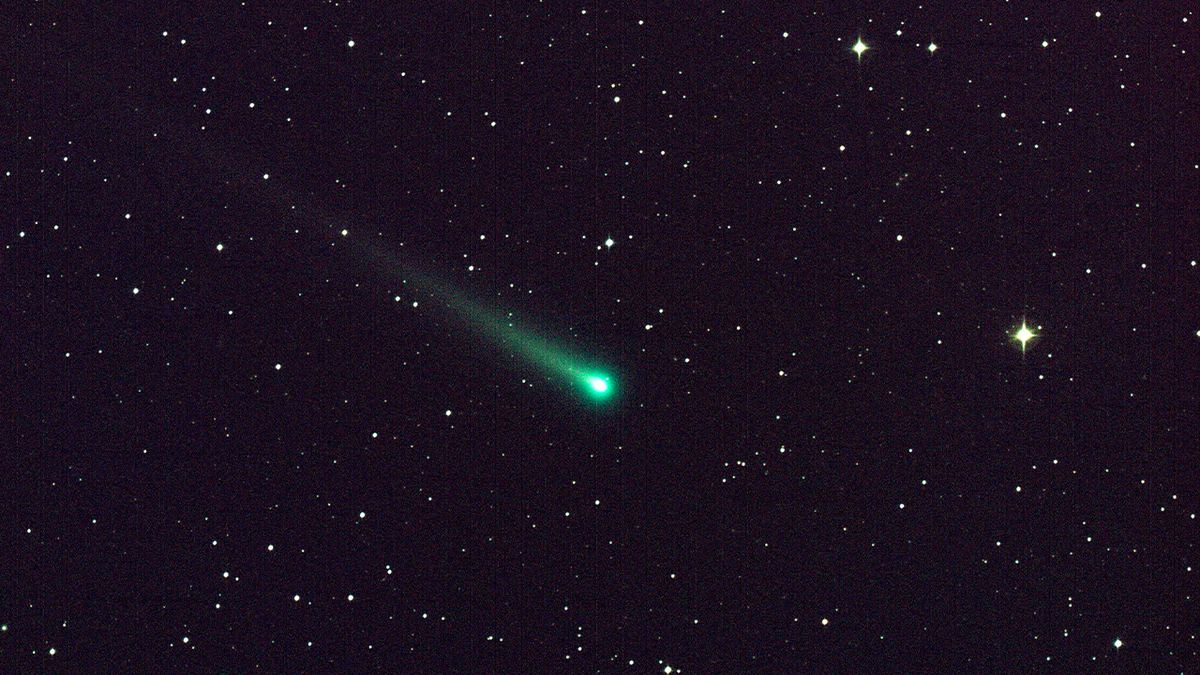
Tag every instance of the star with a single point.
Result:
(1024, 335)
(860, 47)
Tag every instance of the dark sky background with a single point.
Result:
(240, 440)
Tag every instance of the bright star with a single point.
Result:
(860, 47)
(1024, 335)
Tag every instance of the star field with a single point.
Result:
(471, 337)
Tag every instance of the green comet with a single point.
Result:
(489, 322)
(539, 350)
(483, 318)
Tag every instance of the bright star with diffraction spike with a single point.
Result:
(860, 47)
(1024, 335)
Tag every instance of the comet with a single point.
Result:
(485, 320)
(237, 167)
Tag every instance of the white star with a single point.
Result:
(1024, 335)
(860, 47)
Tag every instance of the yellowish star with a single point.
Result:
(1024, 335)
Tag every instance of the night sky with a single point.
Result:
(472, 337)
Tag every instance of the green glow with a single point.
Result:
(499, 326)
(541, 351)
(599, 384)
